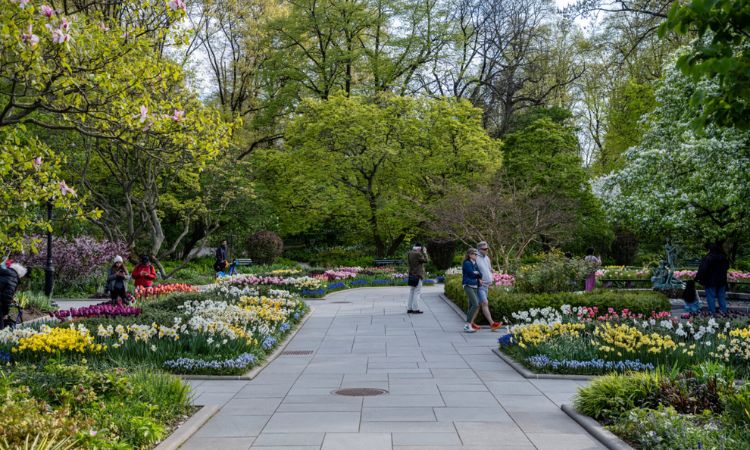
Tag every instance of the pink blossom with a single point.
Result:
(47, 11)
(177, 4)
(23, 3)
(59, 36)
(178, 115)
(144, 113)
(64, 24)
(30, 38)
(37, 162)
(65, 189)
(103, 26)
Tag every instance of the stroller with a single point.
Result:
(691, 297)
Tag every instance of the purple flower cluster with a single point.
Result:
(543, 361)
(188, 365)
(268, 342)
(76, 259)
(97, 311)
(284, 327)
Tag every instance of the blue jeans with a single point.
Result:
(483, 292)
(712, 293)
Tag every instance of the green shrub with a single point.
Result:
(441, 253)
(737, 407)
(610, 396)
(264, 247)
(504, 303)
(554, 273)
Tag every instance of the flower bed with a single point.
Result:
(74, 406)
(503, 303)
(143, 293)
(698, 408)
(103, 310)
(582, 340)
(221, 324)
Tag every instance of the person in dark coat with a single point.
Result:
(712, 275)
(221, 257)
(416, 258)
(117, 280)
(10, 276)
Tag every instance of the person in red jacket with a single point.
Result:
(144, 273)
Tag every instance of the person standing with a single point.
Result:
(10, 276)
(712, 274)
(117, 280)
(594, 263)
(471, 280)
(416, 258)
(144, 273)
(221, 257)
(483, 291)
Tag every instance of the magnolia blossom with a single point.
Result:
(29, 37)
(37, 162)
(59, 36)
(64, 24)
(23, 3)
(47, 11)
(103, 26)
(178, 115)
(65, 189)
(177, 4)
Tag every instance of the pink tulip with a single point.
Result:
(65, 189)
(178, 115)
(47, 11)
(37, 162)
(177, 4)
(30, 38)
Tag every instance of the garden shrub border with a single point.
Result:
(503, 303)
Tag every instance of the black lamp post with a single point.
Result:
(49, 270)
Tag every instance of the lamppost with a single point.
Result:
(49, 270)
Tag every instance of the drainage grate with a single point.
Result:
(297, 352)
(340, 302)
(360, 392)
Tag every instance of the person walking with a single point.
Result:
(594, 263)
(144, 273)
(221, 263)
(712, 274)
(10, 275)
(483, 292)
(471, 280)
(117, 280)
(416, 258)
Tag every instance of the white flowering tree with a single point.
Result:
(678, 181)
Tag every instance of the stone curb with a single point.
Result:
(255, 371)
(526, 373)
(189, 428)
(601, 434)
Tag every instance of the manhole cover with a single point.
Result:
(340, 302)
(297, 352)
(360, 392)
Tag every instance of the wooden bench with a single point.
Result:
(388, 262)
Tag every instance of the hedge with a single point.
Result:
(503, 303)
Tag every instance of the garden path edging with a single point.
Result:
(188, 428)
(595, 429)
(526, 373)
(257, 369)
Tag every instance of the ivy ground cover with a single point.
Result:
(586, 340)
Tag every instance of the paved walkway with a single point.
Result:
(446, 389)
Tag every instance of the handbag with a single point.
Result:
(413, 280)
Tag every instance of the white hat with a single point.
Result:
(20, 270)
(118, 258)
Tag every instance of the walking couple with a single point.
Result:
(477, 279)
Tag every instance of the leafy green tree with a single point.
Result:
(371, 164)
(721, 51)
(543, 159)
(677, 181)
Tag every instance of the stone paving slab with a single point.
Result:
(446, 390)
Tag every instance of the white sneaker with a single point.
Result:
(469, 329)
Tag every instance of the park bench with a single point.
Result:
(388, 262)
(237, 262)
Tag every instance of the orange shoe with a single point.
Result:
(495, 326)
(475, 327)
